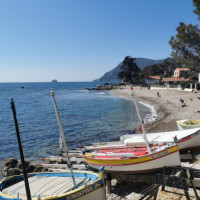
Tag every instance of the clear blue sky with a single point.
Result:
(80, 40)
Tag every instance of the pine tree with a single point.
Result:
(186, 44)
(129, 70)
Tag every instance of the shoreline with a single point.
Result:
(167, 107)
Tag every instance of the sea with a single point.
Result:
(87, 117)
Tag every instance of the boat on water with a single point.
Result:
(59, 186)
(188, 124)
(133, 160)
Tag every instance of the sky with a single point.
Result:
(80, 40)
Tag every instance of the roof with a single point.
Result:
(182, 69)
(172, 79)
(154, 77)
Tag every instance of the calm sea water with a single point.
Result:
(86, 116)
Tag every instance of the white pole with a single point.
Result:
(62, 140)
(141, 122)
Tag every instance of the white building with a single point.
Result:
(152, 80)
(199, 77)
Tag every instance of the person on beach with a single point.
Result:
(158, 95)
(182, 102)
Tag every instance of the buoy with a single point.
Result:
(139, 128)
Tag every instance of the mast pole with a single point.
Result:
(28, 193)
(141, 122)
(62, 141)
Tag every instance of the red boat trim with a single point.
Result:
(189, 137)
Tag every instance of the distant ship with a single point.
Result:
(54, 80)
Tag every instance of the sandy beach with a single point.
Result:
(168, 109)
(168, 106)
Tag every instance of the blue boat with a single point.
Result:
(55, 185)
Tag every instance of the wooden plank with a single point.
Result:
(186, 156)
(134, 178)
(61, 159)
(190, 165)
(76, 159)
(75, 151)
(61, 166)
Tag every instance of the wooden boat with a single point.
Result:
(57, 186)
(132, 160)
(188, 124)
(186, 139)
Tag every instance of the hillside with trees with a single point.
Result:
(112, 75)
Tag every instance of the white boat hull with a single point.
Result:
(187, 139)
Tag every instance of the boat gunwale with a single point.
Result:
(97, 180)
(188, 137)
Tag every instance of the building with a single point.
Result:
(174, 79)
(199, 77)
(181, 72)
(152, 79)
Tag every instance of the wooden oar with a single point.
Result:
(28, 193)
(62, 141)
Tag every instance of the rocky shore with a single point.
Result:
(12, 166)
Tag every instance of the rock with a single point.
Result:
(13, 171)
(31, 168)
(11, 166)
(9, 162)
(6, 164)
(19, 165)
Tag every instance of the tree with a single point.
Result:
(163, 69)
(129, 70)
(186, 44)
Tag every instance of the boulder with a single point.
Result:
(11, 166)
(9, 163)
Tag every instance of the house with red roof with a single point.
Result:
(180, 74)
(152, 79)
(174, 79)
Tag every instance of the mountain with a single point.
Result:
(112, 74)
